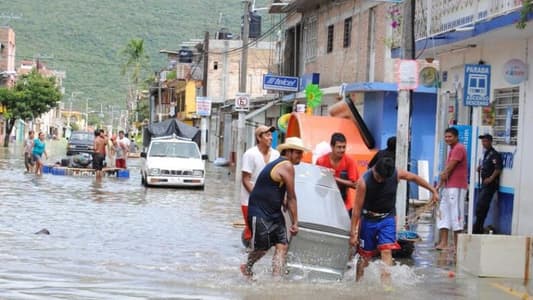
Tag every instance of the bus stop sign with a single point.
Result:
(477, 85)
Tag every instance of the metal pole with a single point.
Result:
(203, 120)
(86, 113)
(404, 112)
(242, 89)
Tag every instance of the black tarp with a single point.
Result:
(169, 127)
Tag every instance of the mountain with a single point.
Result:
(84, 38)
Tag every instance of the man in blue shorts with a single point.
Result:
(374, 213)
(272, 192)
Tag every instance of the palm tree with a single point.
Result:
(136, 61)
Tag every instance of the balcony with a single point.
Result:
(447, 15)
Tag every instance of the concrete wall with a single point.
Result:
(349, 64)
(224, 68)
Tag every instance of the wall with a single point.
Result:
(380, 114)
(349, 64)
(223, 82)
(511, 212)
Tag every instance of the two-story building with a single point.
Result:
(484, 73)
(7, 67)
(348, 45)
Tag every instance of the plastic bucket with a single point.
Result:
(123, 173)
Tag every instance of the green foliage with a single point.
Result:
(84, 38)
(32, 96)
(527, 8)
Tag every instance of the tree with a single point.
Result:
(135, 62)
(32, 96)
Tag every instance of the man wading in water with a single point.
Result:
(375, 210)
(274, 190)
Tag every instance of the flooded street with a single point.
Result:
(116, 239)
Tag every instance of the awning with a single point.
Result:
(384, 87)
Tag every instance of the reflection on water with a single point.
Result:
(115, 239)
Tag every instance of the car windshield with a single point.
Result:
(82, 136)
(184, 150)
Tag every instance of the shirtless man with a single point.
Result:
(100, 143)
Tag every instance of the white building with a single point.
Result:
(484, 33)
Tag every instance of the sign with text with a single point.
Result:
(477, 85)
(280, 83)
(407, 74)
(242, 102)
(203, 106)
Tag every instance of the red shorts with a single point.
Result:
(120, 163)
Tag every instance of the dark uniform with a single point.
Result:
(491, 161)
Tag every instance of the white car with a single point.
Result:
(173, 161)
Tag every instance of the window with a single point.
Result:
(505, 108)
(330, 39)
(311, 38)
(347, 39)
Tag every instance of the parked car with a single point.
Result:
(173, 161)
(80, 142)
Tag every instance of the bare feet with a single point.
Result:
(246, 271)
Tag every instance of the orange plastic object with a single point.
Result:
(317, 129)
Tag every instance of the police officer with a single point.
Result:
(490, 170)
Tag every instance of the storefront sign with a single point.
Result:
(515, 71)
(477, 85)
(203, 106)
(280, 83)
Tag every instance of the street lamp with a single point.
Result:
(87, 112)
(70, 109)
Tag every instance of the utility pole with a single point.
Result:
(242, 89)
(404, 112)
(203, 120)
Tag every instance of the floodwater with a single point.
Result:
(115, 239)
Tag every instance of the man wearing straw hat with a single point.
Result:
(274, 190)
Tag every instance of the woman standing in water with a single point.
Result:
(39, 149)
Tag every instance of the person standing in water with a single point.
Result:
(274, 191)
(39, 149)
(28, 148)
(253, 161)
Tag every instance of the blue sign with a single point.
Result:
(309, 78)
(477, 85)
(280, 83)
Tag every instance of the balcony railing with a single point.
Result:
(445, 15)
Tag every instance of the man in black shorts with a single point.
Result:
(100, 142)
(273, 190)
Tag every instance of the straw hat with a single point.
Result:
(293, 143)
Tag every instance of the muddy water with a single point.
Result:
(116, 239)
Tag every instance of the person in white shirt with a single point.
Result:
(253, 161)
(124, 143)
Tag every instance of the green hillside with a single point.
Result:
(84, 38)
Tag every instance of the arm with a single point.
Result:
(286, 173)
(446, 172)
(421, 182)
(498, 166)
(246, 177)
(356, 212)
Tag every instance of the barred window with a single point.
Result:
(506, 105)
(347, 39)
(311, 38)
(330, 39)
